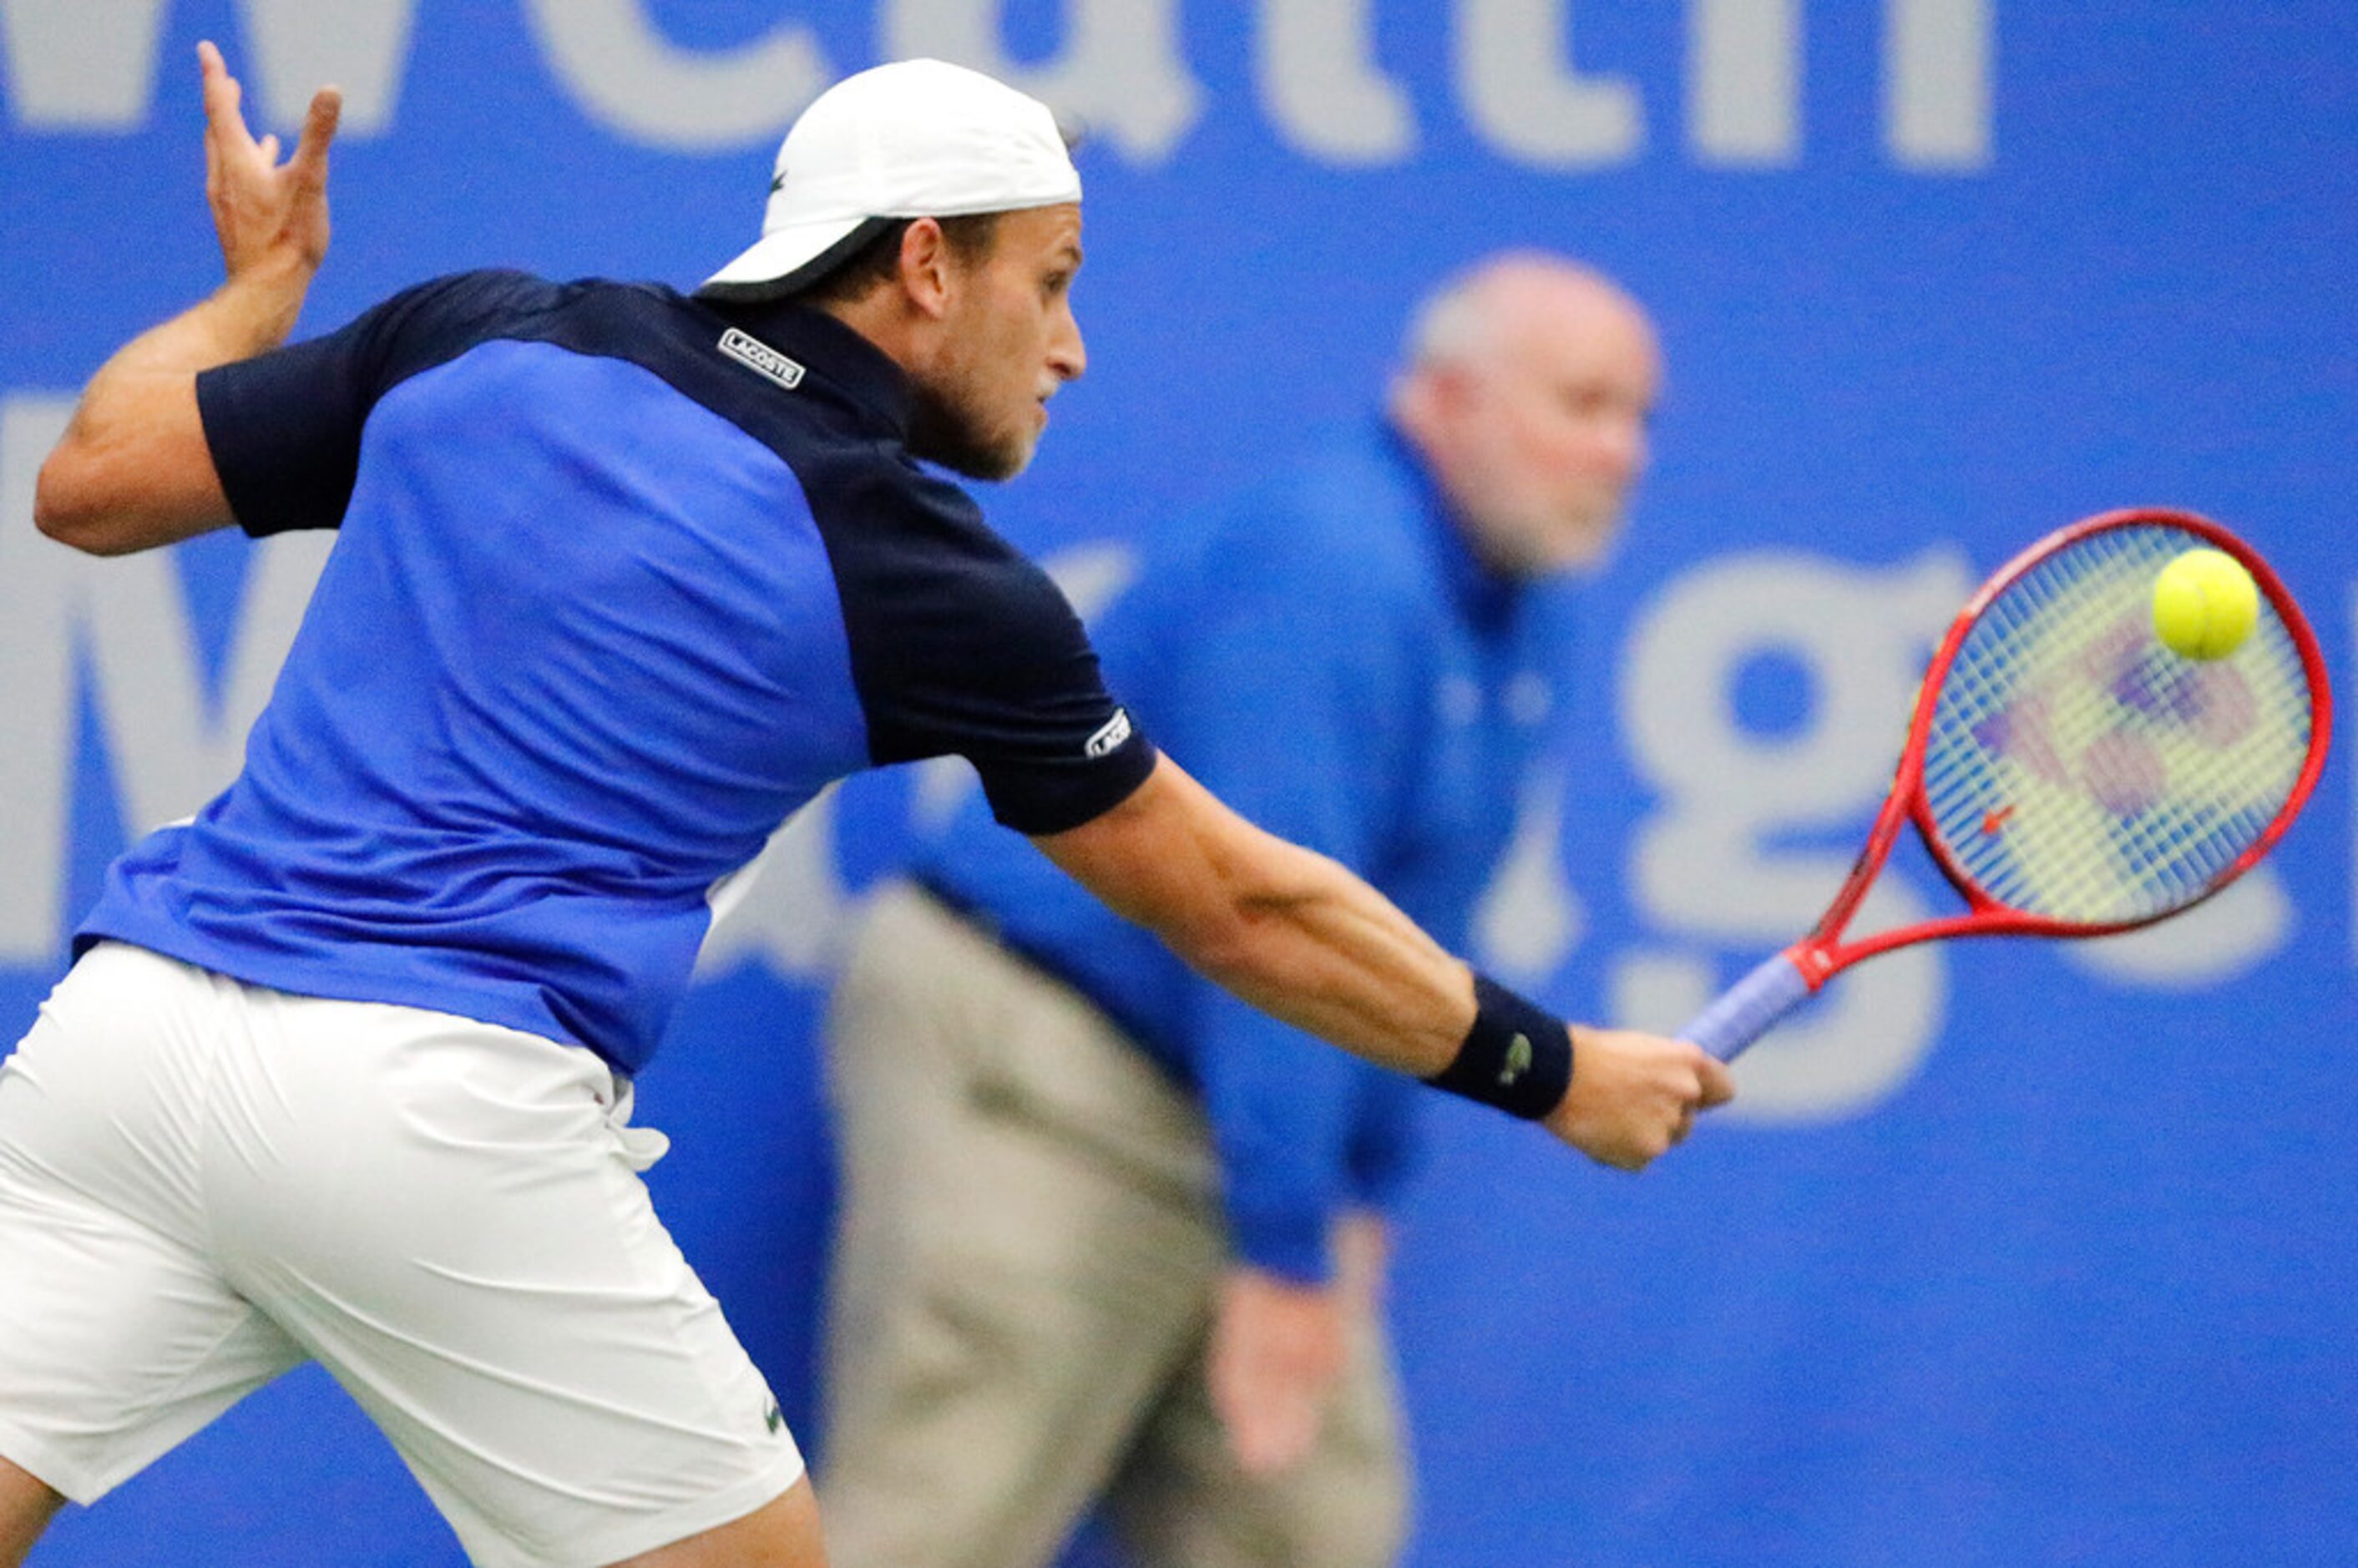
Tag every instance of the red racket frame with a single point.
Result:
(1822, 953)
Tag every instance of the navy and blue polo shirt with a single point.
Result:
(622, 581)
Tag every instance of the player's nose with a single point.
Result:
(1068, 357)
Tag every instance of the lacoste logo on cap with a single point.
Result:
(750, 351)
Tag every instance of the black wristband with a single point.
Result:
(1517, 1055)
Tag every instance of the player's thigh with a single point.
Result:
(783, 1533)
(119, 1336)
(1180, 1501)
(27, 1505)
(449, 1216)
(115, 1344)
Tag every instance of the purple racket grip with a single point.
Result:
(1746, 1009)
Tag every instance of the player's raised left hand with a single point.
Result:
(271, 217)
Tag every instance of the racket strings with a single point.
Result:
(2078, 769)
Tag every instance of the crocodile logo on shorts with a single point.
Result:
(772, 1418)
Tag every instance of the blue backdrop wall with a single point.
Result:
(2011, 1253)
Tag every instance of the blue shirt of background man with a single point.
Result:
(1327, 655)
(622, 580)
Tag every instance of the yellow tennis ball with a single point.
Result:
(2204, 604)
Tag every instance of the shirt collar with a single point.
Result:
(829, 351)
(1484, 595)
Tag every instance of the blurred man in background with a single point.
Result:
(1106, 1232)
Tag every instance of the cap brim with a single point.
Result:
(792, 258)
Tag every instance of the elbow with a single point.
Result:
(67, 506)
(61, 507)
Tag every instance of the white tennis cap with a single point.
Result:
(917, 138)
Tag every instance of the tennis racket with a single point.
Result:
(2070, 775)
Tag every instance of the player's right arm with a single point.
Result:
(133, 469)
(1300, 937)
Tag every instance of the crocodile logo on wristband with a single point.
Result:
(1516, 1055)
(1518, 1060)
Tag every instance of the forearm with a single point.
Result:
(1299, 937)
(249, 314)
(133, 469)
(130, 471)
(1288, 930)
(1310, 943)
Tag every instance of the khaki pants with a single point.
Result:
(1029, 1246)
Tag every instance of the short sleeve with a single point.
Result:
(961, 646)
(284, 427)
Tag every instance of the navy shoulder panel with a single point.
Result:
(285, 427)
(961, 645)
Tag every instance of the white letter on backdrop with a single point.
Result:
(1519, 95)
(1744, 81)
(171, 748)
(1529, 920)
(81, 65)
(90, 65)
(35, 671)
(786, 907)
(642, 86)
(1321, 88)
(359, 45)
(1936, 83)
(1121, 73)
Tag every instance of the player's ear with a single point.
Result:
(927, 266)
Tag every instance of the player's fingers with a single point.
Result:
(212, 163)
(268, 147)
(319, 129)
(210, 71)
(223, 96)
(1717, 1083)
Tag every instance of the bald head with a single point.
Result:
(1528, 384)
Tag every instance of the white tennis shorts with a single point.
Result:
(203, 1182)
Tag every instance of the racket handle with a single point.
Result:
(1745, 1011)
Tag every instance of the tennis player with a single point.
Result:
(342, 1068)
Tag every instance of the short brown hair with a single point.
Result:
(970, 236)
